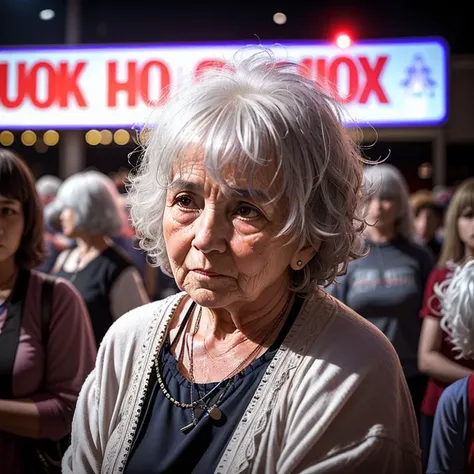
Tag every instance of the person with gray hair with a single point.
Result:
(387, 286)
(452, 442)
(87, 209)
(47, 187)
(247, 194)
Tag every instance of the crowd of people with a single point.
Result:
(257, 298)
(416, 245)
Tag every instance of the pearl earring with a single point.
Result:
(299, 263)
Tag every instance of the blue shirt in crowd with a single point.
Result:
(449, 450)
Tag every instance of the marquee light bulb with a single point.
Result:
(343, 40)
(47, 14)
(279, 18)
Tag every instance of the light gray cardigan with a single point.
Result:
(333, 399)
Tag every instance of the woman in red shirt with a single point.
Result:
(435, 355)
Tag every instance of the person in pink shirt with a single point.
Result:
(39, 379)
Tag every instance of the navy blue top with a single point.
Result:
(448, 452)
(160, 445)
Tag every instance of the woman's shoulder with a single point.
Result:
(441, 273)
(453, 406)
(351, 377)
(416, 249)
(357, 340)
(456, 392)
(61, 258)
(117, 254)
(63, 289)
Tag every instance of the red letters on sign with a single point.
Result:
(61, 84)
(373, 79)
(22, 86)
(363, 78)
(68, 84)
(207, 64)
(137, 81)
(50, 74)
(129, 85)
(352, 79)
(145, 81)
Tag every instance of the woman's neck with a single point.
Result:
(468, 253)
(381, 234)
(8, 272)
(247, 320)
(89, 243)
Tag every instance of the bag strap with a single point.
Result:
(10, 334)
(47, 290)
(58, 447)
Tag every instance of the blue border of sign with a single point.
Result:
(240, 44)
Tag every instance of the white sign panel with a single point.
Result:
(389, 83)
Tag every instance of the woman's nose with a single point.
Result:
(211, 232)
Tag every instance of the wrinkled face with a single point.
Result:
(466, 228)
(382, 212)
(222, 245)
(426, 223)
(68, 222)
(11, 227)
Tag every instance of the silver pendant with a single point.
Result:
(187, 428)
(197, 412)
(215, 413)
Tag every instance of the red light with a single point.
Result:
(343, 40)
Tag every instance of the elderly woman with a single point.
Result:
(247, 194)
(87, 209)
(452, 444)
(387, 286)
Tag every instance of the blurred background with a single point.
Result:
(69, 100)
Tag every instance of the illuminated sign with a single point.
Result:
(380, 83)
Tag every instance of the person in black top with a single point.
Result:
(87, 210)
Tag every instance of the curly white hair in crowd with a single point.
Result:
(254, 111)
(456, 296)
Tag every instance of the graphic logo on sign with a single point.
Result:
(419, 82)
(419, 88)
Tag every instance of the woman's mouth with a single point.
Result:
(206, 273)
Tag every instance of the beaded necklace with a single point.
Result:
(199, 407)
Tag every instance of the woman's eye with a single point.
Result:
(248, 212)
(185, 202)
(7, 211)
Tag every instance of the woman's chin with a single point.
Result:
(210, 297)
(68, 234)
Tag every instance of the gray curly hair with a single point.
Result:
(254, 111)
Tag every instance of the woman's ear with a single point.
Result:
(303, 256)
